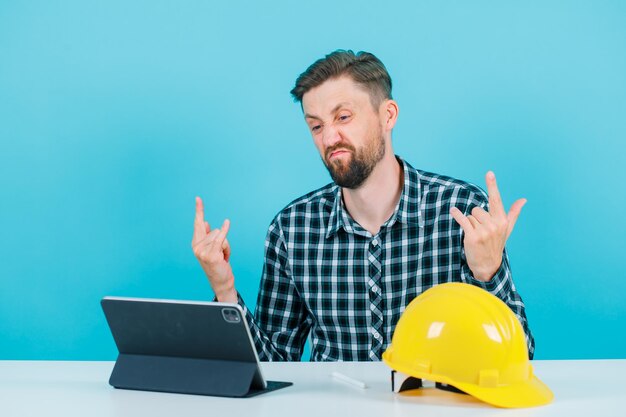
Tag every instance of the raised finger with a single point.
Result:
(219, 239)
(199, 226)
(495, 200)
(199, 210)
(514, 213)
(461, 219)
(207, 227)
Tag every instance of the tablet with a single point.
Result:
(189, 347)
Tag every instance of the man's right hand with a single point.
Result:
(213, 252)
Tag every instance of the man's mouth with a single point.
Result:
(337, 152)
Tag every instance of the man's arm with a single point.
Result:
(281, 322)
(286, 344)
(484, 262)
(281, 326)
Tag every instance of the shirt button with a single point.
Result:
(376, 334)
(375, 288)
(375, 242)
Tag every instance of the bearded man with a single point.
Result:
(343, 262)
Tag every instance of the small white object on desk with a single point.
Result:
(344, 378)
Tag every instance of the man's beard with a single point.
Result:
(353, 173)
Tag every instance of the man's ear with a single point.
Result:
(390, 111)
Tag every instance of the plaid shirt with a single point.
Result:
(326, 275)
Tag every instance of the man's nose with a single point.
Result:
(330, 136)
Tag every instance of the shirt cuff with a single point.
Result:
(495, 284)
(242, 304)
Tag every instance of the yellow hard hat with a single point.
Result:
(461, 335)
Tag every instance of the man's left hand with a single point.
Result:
(486, 232)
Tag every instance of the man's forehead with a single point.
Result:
(333, 93)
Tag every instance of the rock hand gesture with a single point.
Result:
(486, 233)
(212, 250)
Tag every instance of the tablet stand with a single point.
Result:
(188, 376)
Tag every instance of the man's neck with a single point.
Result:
(374, 202)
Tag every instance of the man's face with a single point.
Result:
(346, 129)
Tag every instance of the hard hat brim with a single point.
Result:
(528, 394)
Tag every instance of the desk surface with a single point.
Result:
(35, 388)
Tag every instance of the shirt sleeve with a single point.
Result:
(501, 285)
(281, 322)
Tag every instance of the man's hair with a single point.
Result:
(364, 69)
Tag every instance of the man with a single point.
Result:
(344, 261)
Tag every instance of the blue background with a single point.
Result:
(114, 115)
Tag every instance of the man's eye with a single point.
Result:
(344, 117)
(316, 128)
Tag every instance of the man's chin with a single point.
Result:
(346, 179)
(338, 170)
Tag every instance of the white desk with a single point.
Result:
(32, 388)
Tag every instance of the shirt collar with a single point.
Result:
(406, 212)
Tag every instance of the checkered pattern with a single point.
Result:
(326, 275)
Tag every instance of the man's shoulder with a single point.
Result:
(318, 202)
(445, 187)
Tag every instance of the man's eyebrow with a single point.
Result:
(334, 110)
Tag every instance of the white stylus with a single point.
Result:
(344, 378)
